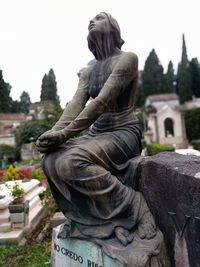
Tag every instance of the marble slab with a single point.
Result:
(78, 253)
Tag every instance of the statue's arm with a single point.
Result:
(77, 104)
(123, 73)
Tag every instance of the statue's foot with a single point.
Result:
(65, 230)
(123, 235)
(147, 227)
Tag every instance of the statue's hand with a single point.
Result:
(50, 140)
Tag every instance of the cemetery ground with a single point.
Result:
(35, 253)
(37, 248)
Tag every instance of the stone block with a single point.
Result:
(4, 216)
(4, 227)
(75, 253)
(171, 186)
(11, 237)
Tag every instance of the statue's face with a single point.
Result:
(99, 23)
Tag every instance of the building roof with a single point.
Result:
(155, 103)
(12, 117)
(37, 104)
(162, 97)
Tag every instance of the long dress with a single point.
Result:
(92, 177)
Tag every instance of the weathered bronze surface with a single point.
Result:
(92, 176)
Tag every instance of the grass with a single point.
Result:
(32, 255)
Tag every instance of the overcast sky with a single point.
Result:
(36, 35)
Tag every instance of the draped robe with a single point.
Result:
(92, 176)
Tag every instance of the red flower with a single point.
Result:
(1, 175)
(25, 173)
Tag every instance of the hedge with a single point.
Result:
(192, 123)
(196, 144)
(154, 148)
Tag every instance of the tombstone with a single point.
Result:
(171, 185)
(13, 233)
(76, 252)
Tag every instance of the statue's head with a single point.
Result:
(104, 35)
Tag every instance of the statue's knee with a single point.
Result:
(65, 168)
(46, 163)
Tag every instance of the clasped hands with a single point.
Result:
(49, 140)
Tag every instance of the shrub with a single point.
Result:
(24, 173)
(7, 152)
(192, 123)
(37, 174)
(17, 173)
(196, 144)
(29, 131)
(154, 148)
(48, 201)
(17, 193)
(144, 144)
(11, 173)
(1, 175)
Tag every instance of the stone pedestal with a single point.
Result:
(74, 252)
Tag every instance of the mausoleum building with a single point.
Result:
(164, 122)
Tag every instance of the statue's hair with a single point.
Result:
(103, 46)
(116, 30)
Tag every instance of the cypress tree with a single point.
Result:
(5, 99)
(169, 79)
(195, 76)
(25, 102)
(15, 107)
(152, 76)
(183, 76)
(49, 88)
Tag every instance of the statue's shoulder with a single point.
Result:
(126, 60)
(129, 57)
(85, 71)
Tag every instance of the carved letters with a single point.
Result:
(73, 256)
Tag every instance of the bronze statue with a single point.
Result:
(92, 176)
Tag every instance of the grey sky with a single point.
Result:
(36, 35)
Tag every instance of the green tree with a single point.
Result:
(152, 81)
(49, 88)
(195, 76)
(25, 102)
(5, 99)
(29, 131)
(183, 76)
(15, 106)
(52, 111)
(192, 123)
(169, 79)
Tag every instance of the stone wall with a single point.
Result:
(170, 183)
(8, 139)
(29, 152)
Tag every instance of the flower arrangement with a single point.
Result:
(17, 173)
(11, 173)
(1, 175)
(37, 174)
(17, 193)
(25, 173)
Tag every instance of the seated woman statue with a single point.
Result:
(92, 177)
